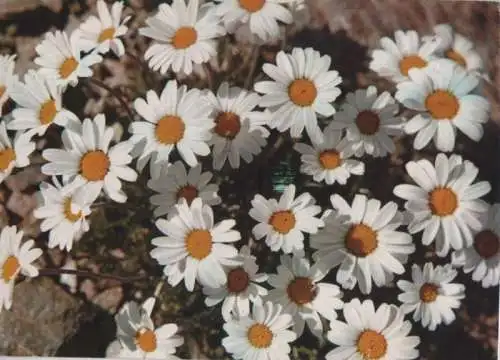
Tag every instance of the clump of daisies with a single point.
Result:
(194, 136)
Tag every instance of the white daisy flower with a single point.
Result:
(60, 60)
(396, 58)
(239, 131)
(298, 288)
(176, 183)
(40, 101)
(482, 258)
(138, 337)
(283, 223)
(362, 239)
(457, 47)
(241, 287)
(443, 96)
(445, 203)
(302, 88)
(261, 16)
(103, 33)
(195, 248)
(7, 77)
(431, 295)
(15, 259)
(13, 154)
(88, 160)
(329, 161)
(262, 335)
(369, 333)
(64, 216)
(184, 35)
(177, 118)
(369, 121)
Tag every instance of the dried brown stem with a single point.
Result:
(60, 271)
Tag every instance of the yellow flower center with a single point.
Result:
(184, 37)
(237, 280)
(330, 159)
(301, 291)
(6, 157)
(367, 122)
(302, 92)
(428, 292)
(169, 130)
(442, 105)
(282, 221)
(372, 345)
(456, 57)
(361, 240)
(68, 213)
(48, 112)
(106, 34)
(410, 62)
(252, 5)
(94, 165)
(227, 124)
(486, 244)
(187, 192)
(146, 339)
(199, 244)
(443, 201)
(67, 67)
(260, 336)
(10, 268)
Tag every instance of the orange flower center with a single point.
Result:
(301, 291)
(68, 213)
(146, 339)
(302, 92)
(368, 122)
(227, 125)
(456, 57)
(410, 62)
(187, 192)
(260, 336)
(237, 280)
(442, 105)
(486, 244)
(184, 37)
(199, 244)
(361, 240)
(106, 34)
(252, 5)
(169, 130)
(428, 292)
(94, 165)
(10, 268)
(282, 221)
(330, 159)
(2, 90)
(443, 201)
(372, 345)
(67, 67)
(6, 157)
(48, 112)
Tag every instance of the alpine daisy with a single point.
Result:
(261, 335)
(283, 223)
(374, 334)
(445, 203)
(239, 130)
(298, 288)
(184, 35)
(176, 183)
(362, 239)
(443, 97)
(369, 121)
(88, 160)
(431, 295)
(194, 248)
(7, 77)
(302, 88)
(13, 154)
(15, 259)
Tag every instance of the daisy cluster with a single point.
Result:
(324, 253)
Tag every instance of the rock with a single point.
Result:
(109, 299)
(21, 204)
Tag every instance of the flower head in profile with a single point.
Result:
(7, 77)
(13, 154)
